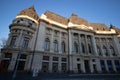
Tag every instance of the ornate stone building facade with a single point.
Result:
(52, 43)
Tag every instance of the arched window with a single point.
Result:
(98, 50)
(75, 47)
(55, 46)
(83, 48)
(112, 51)
(47, 44)
(89, 47)
(63, 47)
(105, 51)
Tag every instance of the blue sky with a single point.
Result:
(96, 11)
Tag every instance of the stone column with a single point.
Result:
(86, 44)
(79, 41)
(94, 45)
